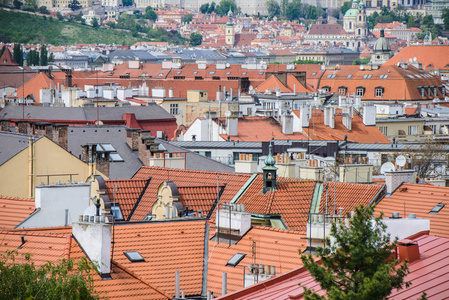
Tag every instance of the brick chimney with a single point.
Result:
(21, 127)
(4, 125)
(393, 179)
(408, 250)
(132, 138)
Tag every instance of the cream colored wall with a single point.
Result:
(181, 116)
(49, 158)
(195, 96)
(394, 127)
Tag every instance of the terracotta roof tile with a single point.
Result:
(14, 210)
(419, 199)
(291, 200)
(128, 193)
(198, 197)
(184, 178)
(425, 54)
(33, 87)
(279, 248)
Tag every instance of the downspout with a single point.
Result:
(31, 167)
(205, 260)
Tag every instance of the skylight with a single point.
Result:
(235, 260)
(116, 211)
(260, 73)
(115, 157)
(195, 72)
(179, 72)
(211, 72)
(244, 73)
(228, 72)
(104, 148)
(349, 76)
(314, 73)
(383, 76)
(437, 209)
(134, 256)
(367, 76)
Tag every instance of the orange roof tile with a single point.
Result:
(33, 87)
(291, 200)
(419, 199)
(359, 133)
(184, 178)
(199, 197)
(14, 210)
(127, 194)
(347, 196)
(256, 129)
(431, 57)
(262, 245)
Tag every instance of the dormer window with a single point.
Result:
(379, 91)
(342, 90)
(360, 91)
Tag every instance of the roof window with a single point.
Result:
(331, 76)
(244, 73)
(195, 72)
(104, 148)
(228, 72)
(134, 256)
(383, 76)
(115, 157)
(116, 212)
(211, 72)
(235, 260)
(367, 76)
(349, 76)
(437, 209)
(179, 72)
(260, 73)
(314, 73)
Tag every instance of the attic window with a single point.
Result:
(116, 212)
(331, 76)
(437, 209)
(134, 256)
(314, 73)
(367, 76)
(211, 72)
(228, 72)
(260, 73)
(115, 157)
(195, 72)
(349, 76)
(179, 72)
(235, 260)
(244, 73)
(383, 76)
(104, 148)
(159, 75)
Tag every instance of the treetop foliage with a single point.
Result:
(359, 263)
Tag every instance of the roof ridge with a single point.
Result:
(292, 231)
(126, 270)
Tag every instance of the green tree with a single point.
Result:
(212, 7)
(127, 2)
(313, 12)
(411, 21)
(2, 50)
(359, 263)
(33, 58)
(345, 7)
(224, 6)
(204, 8)
(273, 8)
(445, 17)
(195, 39)
(361, 61)
(284, 4)
(75, 5)
(187, 19)
(44, 55)
(294, 10)
(17, 4)
(94, 23)
(21, 279)
(428, 20)
(18, 54)
(150, 14)
(44, 10)
(60, 16)
(30, 5)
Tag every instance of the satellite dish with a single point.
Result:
(227, 113)
(414, 58)
(400, 160)
(386, 167)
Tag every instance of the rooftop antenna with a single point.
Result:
(98, 112)
(113, 223)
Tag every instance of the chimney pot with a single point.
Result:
(408, 250)
(412, 216)
(395, 215)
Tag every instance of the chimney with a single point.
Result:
(94, 237)
(59, 135)
(4, 125)
(408, 250)
(21, 127)
(68, 78)
(348, 114)
(233, 220)
(219, 94)
(232, 124)
(132, 138)
(329, 116)
(369, 115)
(304, 117)
(393, 179)
(287, 123)
(170, 92)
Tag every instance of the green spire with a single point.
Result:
(269, 160)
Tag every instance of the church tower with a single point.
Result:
(381, 51)
(229, 30)
(269, 172)
(361, 26)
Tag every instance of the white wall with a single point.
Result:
(53, 200)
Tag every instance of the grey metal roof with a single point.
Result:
(131, 55)
(195, 161)
(149, 112)
(384, 147)
(194, 55)
(114, 135)
(11, 144)
(239, 145)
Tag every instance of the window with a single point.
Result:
(379, 92)
(437, 209)
(314, 73)
(435, 91)
(116, 212)
(423, 92)
(413, 130)
(384, 130)
(326, 89)
(383, 76)
(195, 72)
(179, 72)
(260, 73)
(331, 76)
(228, 72)
(244, 73)
(360, 91)
(211, 72)
(367, 76)
(342, 90)
(173, 108)
(349, 76)
(115, 157)
(134, 256)
(235, 260)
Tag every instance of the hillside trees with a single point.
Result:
(18, 54)
(273, 8)
(359, 263)
(75, 5)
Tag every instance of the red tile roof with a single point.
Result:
(431, 57)
(184, 178)
(419, 199)
(14, 210)
(429, 274)
(127, 194)
(359, 133)
(7, 59)
(33, 87)
(326, 29)
(256, 129)
(199, 197)
(291, 200)
(262, 245)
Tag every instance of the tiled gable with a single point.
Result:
(14, 210)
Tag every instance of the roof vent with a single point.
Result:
(412, 216)
(395, 215)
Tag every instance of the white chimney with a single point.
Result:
(329, 116)
(287, 123)
(369, 115)
(393, 179)
(170, 93)
(304, 117)
(347, 117)
(232, 124)
(232, 216)
(133, 64)
(94, 238)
